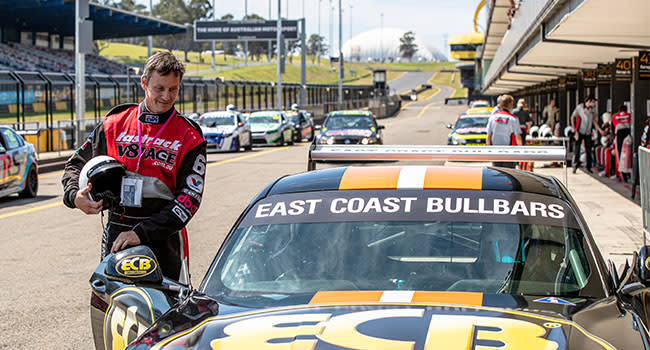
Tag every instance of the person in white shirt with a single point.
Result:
(582, 120)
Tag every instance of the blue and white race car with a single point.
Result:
(225, 131)
(19, 167)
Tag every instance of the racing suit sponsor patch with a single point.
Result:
(195, 182)
(180, 213)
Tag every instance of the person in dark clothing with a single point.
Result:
(521, 112)
(164, 154)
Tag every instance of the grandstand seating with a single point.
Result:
(30, 58)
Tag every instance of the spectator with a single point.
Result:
(549, 114)
(503, 128)
(621, 123)
(521, 112)
(582, 120)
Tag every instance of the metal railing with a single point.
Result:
(45, 101)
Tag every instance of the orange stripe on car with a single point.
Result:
(397, 296)
(453, 178)
(370, 178)
(329, 297)
(461, 298)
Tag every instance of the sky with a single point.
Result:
(432, 20)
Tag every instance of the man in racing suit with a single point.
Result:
(163, 150)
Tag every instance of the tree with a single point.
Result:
(182, 11)
(316, 46)
(407, 46)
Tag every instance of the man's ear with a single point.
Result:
(143, 83)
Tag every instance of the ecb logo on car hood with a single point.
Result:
(135, 266)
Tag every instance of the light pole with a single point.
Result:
(278, 91)
(149, 47)
(340, 55)
(214, 18)
(245, 41)
(381, 38)
(330, 38)
(318, 51)
(269, 54)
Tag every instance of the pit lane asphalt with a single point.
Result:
(49, 251)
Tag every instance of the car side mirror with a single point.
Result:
(2, 150)
(642, 268)
(449, 126)
(317, 127)
(241, 123)
(379, 127)
(134, 265)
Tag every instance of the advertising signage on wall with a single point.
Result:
(644, 64)
(623, 69)
(589, 77)
(243, 30)
(604, 74)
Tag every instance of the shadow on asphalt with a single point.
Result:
(14, 201)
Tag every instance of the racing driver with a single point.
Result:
(164, 156)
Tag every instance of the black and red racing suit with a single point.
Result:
(172, 168)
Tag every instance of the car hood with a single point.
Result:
(398, 320)
(264, 127)
(349, 132)
(471, 131)
(221, 129)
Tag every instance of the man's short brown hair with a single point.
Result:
(163, 62)
(506, 100)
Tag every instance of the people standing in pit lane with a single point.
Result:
(550, 114)
(525, 122)
(497, 108)
(582, 120)
(164, 154)
(621, 122)
(503, 128)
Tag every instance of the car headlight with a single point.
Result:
(455, 140)
(330, 141)
(364, 141)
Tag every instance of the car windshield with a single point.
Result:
(211, 121)
(264, 119)
(336, 122)
(289, 248)
(292, 116)
(472, 122)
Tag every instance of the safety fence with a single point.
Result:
(41, 105)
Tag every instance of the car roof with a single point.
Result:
(479, 110)
(432, 177)
(462, 116)
(220, 114)
(343, 113)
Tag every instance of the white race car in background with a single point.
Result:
(225, 131)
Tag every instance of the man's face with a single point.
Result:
(589, 103)
(160, 91)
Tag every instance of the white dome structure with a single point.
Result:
(384, 43)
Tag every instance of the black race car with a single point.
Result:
(350, 128)
(303, 125)
(400, 257)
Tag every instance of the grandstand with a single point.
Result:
(14, 56)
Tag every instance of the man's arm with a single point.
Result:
(518, 139)
(73, 197)
(488, 139)
(187, 199)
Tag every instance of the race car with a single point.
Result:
(389, 257)
(19, 166)
(271, 128)
(479, 104)
(350, 128)
(303, 125)
(469, 129)
(225, 131)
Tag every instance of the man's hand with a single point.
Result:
(124, 240)
(84, 203)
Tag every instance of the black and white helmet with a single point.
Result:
(105, 174)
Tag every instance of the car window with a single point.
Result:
(11, 139)
(285, 247)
